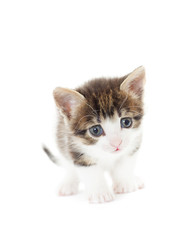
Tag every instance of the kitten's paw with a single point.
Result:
(139, 183)
(101, 197)
(67, 189)
(128, 186)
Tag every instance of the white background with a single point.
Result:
(45, 44)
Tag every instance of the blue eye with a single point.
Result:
(96, 131)
(126, 122)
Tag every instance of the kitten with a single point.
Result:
(99, 129)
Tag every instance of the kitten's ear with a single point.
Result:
(134, 82)
(67, 100)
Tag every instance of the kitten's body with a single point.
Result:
(99, 129)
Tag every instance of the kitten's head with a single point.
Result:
(105, 114)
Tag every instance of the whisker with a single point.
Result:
(123, 102)
(81, 119)
(137, 112)
(94, 111)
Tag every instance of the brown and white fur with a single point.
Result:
(110, 105)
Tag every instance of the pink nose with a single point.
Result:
(115, 142)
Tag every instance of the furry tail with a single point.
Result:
(50, 155)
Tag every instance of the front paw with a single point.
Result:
(68, 188)
(127, 186)
(100, 197)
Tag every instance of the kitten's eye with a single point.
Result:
(96, 131)
(126, 122)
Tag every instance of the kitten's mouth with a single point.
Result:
(117, 150)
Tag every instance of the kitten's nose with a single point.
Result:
(115, 142)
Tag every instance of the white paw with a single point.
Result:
(101, 197)
(139, 183)
(67, 189)
(128, 185)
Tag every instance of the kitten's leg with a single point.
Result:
(123, 177)
(97, 189)
(70, 184)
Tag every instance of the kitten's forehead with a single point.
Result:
(112, 107)
(103, 96)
